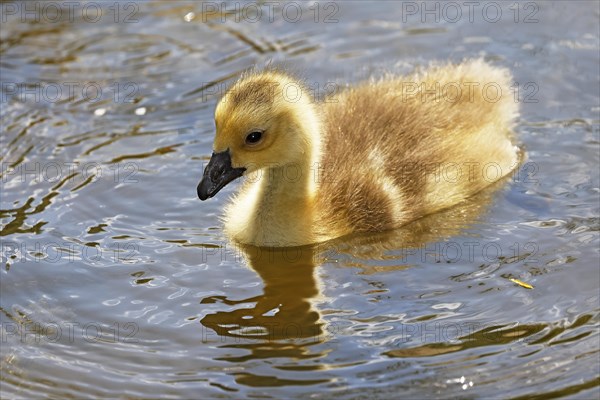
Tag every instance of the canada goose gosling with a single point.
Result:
(360, 162)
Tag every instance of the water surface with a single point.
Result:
(116, 281)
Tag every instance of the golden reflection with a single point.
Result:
(490, 336)
(282, 319)
(284, 309)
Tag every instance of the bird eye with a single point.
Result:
(253, 137)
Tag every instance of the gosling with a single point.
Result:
(370, 158)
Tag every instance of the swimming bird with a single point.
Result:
(369, 158)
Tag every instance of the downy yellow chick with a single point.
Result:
(370, 158)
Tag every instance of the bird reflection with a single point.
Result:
(284, 321)
(284, 310)
(283, 318)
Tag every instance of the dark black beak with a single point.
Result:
(217, 174)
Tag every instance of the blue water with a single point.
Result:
(116, 281)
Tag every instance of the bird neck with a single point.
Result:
(296, 181)
(283, 195)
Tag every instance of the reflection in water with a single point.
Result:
(284, 311)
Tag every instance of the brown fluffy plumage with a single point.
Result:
(370, 158)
